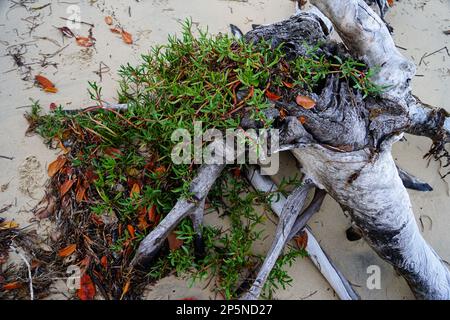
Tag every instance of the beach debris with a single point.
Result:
(46, 84)
(87, 288)
(108, 20)
(56, 165)
(66, 32)
(305, 102)
(127, 37)
(67, 251)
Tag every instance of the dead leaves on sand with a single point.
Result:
(45, 84)
(67, 251)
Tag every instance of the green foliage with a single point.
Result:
(189, 79)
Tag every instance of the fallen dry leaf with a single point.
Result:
(152, 214)
(46, 84)
(305, 102)
(84, 42)
(8, 225)
(55, 166)
(12, 285)
(66, 186)
(302, 119)
(288, 84)
(87, 288)
(130, 229)
(67, 251)
(174, 242)
(125, 289)
(135, 190)
(127, 37)
(272, 96)
(115, 30)
(108, 20)
(391, 3)
(301, 240)
(104, 262)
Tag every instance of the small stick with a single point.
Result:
(6, 157)
(74, 21)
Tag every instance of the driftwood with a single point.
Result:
(344, 148)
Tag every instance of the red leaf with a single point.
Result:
(288, 84)
(84, 42)
(67, 251)
(104, 262)
(87, 288)
(127, 37)
(12, 285)
(302, 240)
(130, 229)
(80, 192)
(66, 186)
(135, 190)
(305, 102)
(272, 96)
(152, 213)
(115, 30)
(174, 242)
(302, 119)
(53, 106)
(55, 166)
(46, 84)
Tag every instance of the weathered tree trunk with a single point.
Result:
(345, 146)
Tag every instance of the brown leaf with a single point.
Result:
(390, 3)
(305, 102)
(109, 20)
(135, 190)
(66, 186)
(125, 289)
(84, 42)
(142, 219)
(67, 251)
(288, 84)
(302, 240)
(12, 285)
(46, 84)
(8, 225)
(80, 191)
(127, 37)
(104, 262)
(87, 288)
(272, 96)
(152, 214)
(160, 170)
(55, 166)
(302, 119)
(130, 229)
(115, 30)
(174, 242)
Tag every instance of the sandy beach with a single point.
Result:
(418, 31)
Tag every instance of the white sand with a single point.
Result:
(418, 28)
